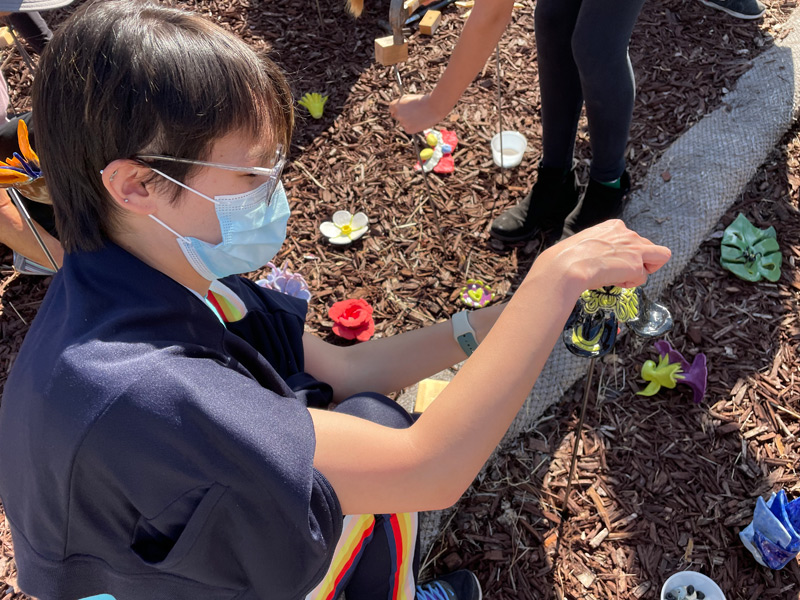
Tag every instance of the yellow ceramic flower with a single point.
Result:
(664, 374)
(314, 103)
(623, 302)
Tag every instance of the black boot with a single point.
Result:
(600, 203)
(543, 210)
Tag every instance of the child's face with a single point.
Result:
(193, 215)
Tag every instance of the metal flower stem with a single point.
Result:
(500, 111)
(24, 53)
(417, 150)
(17, 200)
(499, 123)
(574, 461)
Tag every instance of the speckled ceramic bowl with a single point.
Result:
(698, 580)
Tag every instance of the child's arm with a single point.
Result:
(481, 33)
(389, 364)
(375, 469)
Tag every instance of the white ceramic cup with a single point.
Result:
(698, 580)
(514, 145)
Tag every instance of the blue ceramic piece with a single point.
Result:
(770, 524)
(773, 555)
(773, 537)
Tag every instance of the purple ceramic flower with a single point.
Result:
(281, 279)
(694, 375)
(476, 294)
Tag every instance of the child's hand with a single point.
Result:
(606, 254)
(416, 113)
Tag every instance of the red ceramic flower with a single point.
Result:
(352, 319)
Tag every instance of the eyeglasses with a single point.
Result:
(272, 173)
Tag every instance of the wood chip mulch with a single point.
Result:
(662, 484)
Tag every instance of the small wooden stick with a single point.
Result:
(393, 49)
(388, 53)
(430, 22)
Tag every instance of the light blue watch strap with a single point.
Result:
(463, 332)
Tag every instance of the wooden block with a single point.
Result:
(387, 53)
(430, 22)
(6, 39)
(411, 6)
(427, 391)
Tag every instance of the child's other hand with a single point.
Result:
(415, 112)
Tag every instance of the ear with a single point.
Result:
(124, 180)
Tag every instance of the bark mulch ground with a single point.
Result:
(662, 484)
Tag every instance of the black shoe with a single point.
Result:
(741, 9)
(458, 585)
(543, 210)
(600, 203)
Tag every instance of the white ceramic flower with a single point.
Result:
(345, 227)
(435, 142)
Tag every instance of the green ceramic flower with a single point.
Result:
(751, 253)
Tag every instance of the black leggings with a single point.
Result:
(582, 48)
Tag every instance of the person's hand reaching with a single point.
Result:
(606, 254)
(416, 112)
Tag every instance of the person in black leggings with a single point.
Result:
(582, 48)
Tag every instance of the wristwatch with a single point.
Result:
(463, 332)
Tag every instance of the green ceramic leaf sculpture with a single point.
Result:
(751, 253)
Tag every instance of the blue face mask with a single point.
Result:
(253, 227)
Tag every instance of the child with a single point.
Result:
(582, 50)
(158, 432)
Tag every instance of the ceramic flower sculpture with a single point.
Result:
(281, 279)
(344, 227)
(438, 155)
(773, 537)
(751, 253)
(314, 103)
(592, 328)
(23, 171)
(476, 294)
(352, 319)
(672, 369)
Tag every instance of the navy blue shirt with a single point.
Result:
(148, 452)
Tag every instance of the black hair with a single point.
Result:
(128, 77)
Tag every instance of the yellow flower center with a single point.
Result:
(346, 229)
